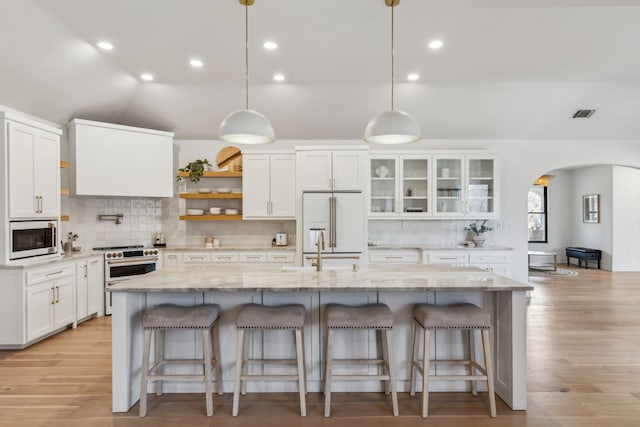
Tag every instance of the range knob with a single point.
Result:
(155, 252)
(108, 255)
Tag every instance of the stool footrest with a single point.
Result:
(175, 378)
(274, 377)
(358, 361)
(360, 377)
(272, 361)
(458, 377)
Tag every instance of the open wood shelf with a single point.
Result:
(64, 192)
(214, 174)
(64, 218)
(63, 164)
(211, 217)
(211, 195)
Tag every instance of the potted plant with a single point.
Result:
(195, 169)
(68, 246)
(477, 232)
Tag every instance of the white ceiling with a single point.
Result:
(508, 69)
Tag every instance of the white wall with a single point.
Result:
(626, 219)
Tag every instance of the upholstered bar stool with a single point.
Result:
(254, 317)
(371, 316)
(155, 321)
(456, 316)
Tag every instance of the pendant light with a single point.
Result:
(246, 126)
(393, 126)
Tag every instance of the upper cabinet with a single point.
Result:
(332, 170)
(269, 186)
(114, 160)
(32, 161)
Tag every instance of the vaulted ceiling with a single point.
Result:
(508, 68)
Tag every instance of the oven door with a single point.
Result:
(124, 269)
(32, 238)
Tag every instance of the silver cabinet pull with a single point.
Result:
(54, 273)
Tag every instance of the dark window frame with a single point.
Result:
(545, 216)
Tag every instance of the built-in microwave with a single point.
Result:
(32, 238)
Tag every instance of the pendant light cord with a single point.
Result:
(246, 56)
(392, 67)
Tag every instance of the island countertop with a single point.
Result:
(242, 277)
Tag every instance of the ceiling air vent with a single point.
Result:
(583, 114)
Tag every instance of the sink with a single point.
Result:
(332, 268)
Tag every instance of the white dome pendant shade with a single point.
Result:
(246, 126)
(392, 126)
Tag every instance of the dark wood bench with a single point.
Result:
(584, 254)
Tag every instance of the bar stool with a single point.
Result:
(259, 317)
(156, 321)
(456, 316)
(371, 316)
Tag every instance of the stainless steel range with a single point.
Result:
(122, 262)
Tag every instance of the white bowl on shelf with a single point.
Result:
(204, 190)
(224, 190)
(236, 190)
(215, 211)
(195, 212)
(231, 212)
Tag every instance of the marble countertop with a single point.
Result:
(41, 262)
(436, 247)
(242, 277)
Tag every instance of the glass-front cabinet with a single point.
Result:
(449, 186)
(400, 186)
(481, 187)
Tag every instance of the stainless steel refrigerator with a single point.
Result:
(341, 215)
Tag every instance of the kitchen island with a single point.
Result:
(233, 285)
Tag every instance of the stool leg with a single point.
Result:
(392, 378)
(206, 355)
(245, 357)
(304, 358)
(385, 351)
(239, 360)
(489, 367)
(327, 374)
(159, 335)
(425, 373)
(301, 377)
(415, 359)
(215, 340)
(143, 372)
(472, 355)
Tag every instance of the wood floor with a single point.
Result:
(584, 370)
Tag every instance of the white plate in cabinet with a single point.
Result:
(394, 257)
(449, 257)
(225, 257)
(196, 258)
(253, 257)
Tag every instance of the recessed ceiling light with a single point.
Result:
(270, 45)
(435, 44)
(278, 77)
(196, 63)
(105, 45)
(146, 77)
(413, 77)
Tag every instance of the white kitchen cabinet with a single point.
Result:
(331, 170)
(113, 160)
(394, 256)
(196, 257)
(269, 186)
(224, 256)
(497, 261)
(89, 287)
(171, 259)
(32, 168)
(465, 186)
(400, 186)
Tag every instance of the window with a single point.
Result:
(537, 215)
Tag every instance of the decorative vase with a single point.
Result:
(478, 240)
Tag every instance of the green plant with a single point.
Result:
(478, 229)
(195, 170)
(72, 236)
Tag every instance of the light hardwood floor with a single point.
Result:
(584, 370)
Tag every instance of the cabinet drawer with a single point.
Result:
(489, 258)
(49, 273)
(196, 257)
(280, 257)
(394, 257)
(448, 258)
(253, 257)
(224, 257)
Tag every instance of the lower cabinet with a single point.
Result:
(89, 288)
(497, 261)
(394, 256)
(177, 258)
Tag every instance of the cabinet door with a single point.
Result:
(283, 186)
(172, 259)
(414, 188)
(449, 186)
(64, 302)
(81, 290)
(384, 186)
(255, 186)
(348, 170)
(315, 170)
(22, 198)
(39, 302)
(481, 187)
(95, 285)
(46, 163)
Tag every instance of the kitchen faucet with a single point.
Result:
(320, 244)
